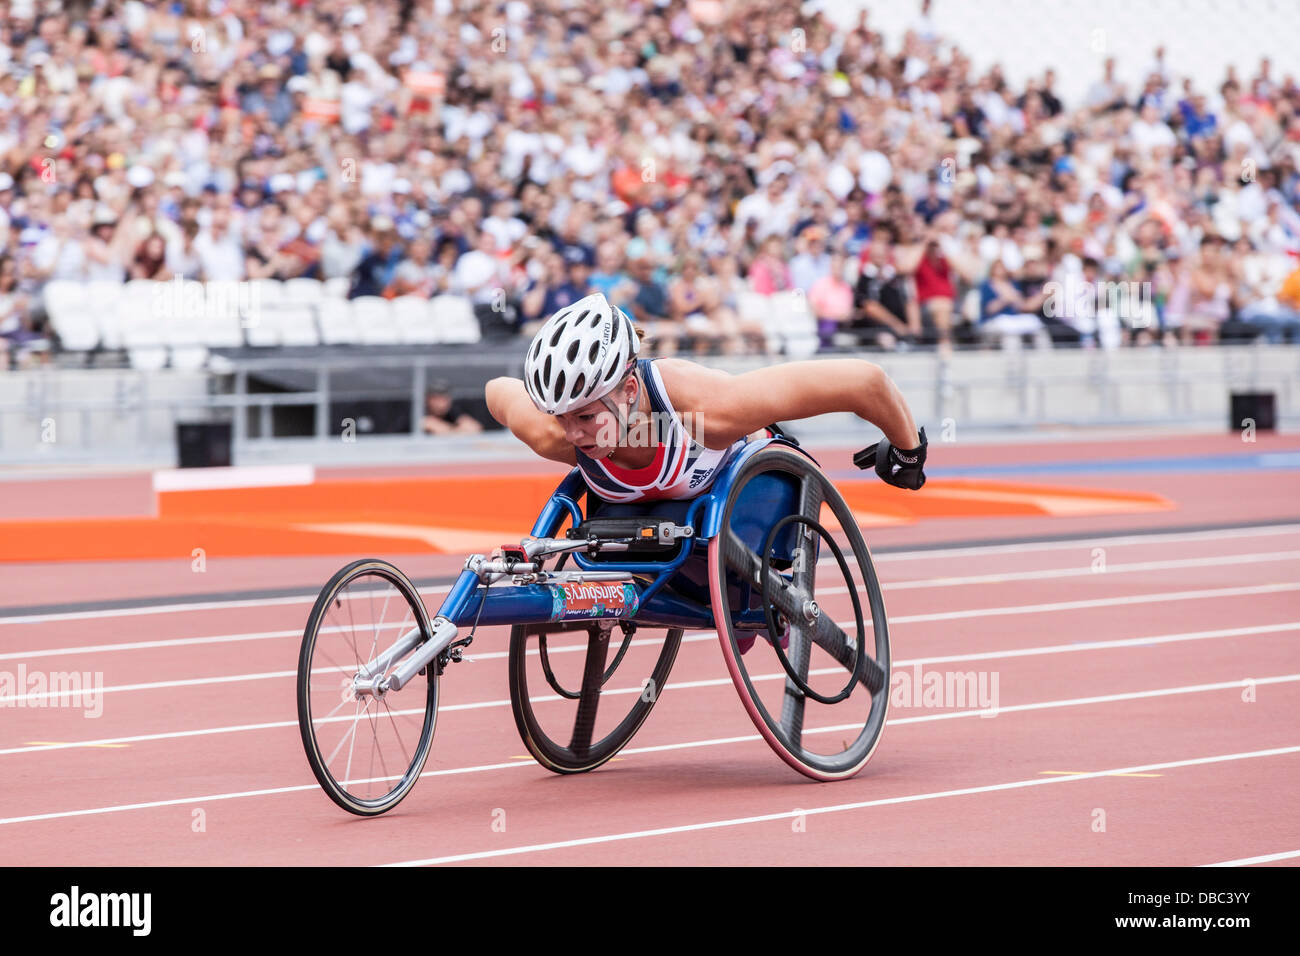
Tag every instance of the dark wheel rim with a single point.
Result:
(422, 692)
(736, 568)
(582, 753)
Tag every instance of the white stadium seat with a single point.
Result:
(71, 314)
(77, 331)
(303, 291)
(266, 293)
(147, 359)
(143, 330)
(338, 326)
(454, 320)
(415, 320)
(337, 287)
(62, 294)
(297, 326)
(221, 332)
(793, 323)
(262, 329)
(189, 359)
(376, 323)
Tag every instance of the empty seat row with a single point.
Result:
(261, 313)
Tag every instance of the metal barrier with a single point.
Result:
(111, 415)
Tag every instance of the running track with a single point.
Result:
(1161, 695)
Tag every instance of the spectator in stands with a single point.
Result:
(880, 297)
(443, 415)
(344, 118)
(572, 288)
(769, 274)
(1209, 290)
(812, 261)
(831, 301)
(150, 259)
(725, 288)
(689, 304)
(416, 274)
(935, 288)
(182, 254)
(379, 261)
(651, 309)
(610, 279)
(932, 203)
(1278, 315)
(220, 253)
(1007, 315)
(343, 245)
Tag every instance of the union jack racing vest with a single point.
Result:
(682, 468)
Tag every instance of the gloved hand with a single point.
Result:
(903, 468)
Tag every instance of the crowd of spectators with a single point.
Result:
(679, 155)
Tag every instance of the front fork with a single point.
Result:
(370, 680)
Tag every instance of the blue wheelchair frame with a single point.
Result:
(763, 502)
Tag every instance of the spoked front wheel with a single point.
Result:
(366, 749)
(570, 715)
(808, 655)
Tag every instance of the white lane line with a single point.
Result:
(902, 619)
(1252, 860)
(1018, 708)
(1122, 541)
(840, 808)
(1119, 541)
(573, 648)
(144, 645)
(1217, 560)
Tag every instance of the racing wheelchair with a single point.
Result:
(750, 559)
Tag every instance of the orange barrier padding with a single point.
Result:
(460, 514)
(461, 501)
(106, 539)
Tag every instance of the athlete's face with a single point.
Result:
(593, 428)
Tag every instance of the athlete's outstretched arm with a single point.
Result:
(728, 407)
(508, 403)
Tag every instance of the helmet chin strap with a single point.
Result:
(618, 414)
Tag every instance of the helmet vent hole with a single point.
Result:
(537, 383)
(559, 384)
(578, 385)
(573, 350)
(593, 351)
(555, 337)
(546, 369)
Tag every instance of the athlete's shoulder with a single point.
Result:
(688, 384)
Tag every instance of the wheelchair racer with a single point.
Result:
(588, 400)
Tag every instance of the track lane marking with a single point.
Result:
(1251, 860)
(715, 682)
(1061, 545)
(838, 808)
(1150, 597)
(747, 738)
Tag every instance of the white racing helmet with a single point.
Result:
(580, 355)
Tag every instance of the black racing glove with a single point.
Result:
(898, 466)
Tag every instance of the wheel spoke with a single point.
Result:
(792, 704)
(576, 746)
(779, 495)
(593, 674)
(826, 634)
(372, 791)
(807, 544)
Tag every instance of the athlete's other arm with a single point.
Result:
(508, 403)
(728, 407)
